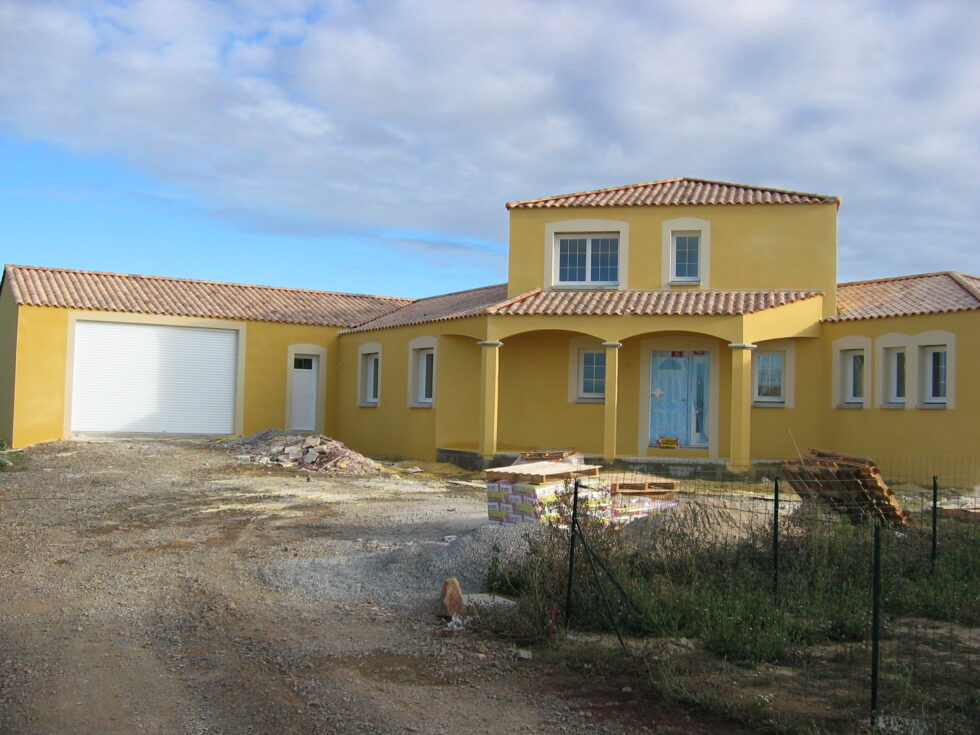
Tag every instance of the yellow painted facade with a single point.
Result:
(745, 241)
(508, 383)
(8, 360)
(40, 396)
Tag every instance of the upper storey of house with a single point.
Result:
(676, 234)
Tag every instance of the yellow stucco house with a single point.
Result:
(679, 320)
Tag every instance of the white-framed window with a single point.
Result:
(370, 378)
(852, 378)
(769, 377)
(934, 374)
(686, 252)
(587, 259)
(425, 375)
(685, 258)
(591, 374)
(895, 382)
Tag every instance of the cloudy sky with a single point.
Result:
(370, 146)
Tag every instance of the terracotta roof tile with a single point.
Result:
(925, 293)
(676, 192)
(650, 303)
(443, 308)
(91, 290)
(491, 300)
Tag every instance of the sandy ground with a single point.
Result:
(135, 598)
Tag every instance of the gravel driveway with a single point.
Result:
(164, 587)
(148, 587)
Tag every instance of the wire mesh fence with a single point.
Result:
(766, 595)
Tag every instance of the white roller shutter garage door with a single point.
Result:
(148, 378)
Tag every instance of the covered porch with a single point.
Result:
(628, 387)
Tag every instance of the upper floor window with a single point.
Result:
(686, 257)
(588, 259)
(685, 252)
(934, 375)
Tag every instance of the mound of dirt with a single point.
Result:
(311, 452)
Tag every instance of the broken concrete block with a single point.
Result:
(310, 456)
(485, 600)
(452, 597)
(294, 452)
(311, 441)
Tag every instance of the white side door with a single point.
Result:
(306, 371)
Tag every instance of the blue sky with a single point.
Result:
(371, 146)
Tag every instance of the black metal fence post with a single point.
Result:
(875, 619)
(775, 538)
(572, 532)
(935, 516)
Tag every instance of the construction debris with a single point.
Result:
(851, 486)
(310, 452)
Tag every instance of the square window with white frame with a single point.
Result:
(685, 257)
(895, 375)
(425, 366)
(591, 374)
(370, 378)
(934, 374)
(769, 378)
(852, 367)
(587, 259)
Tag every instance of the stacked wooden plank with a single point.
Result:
(659, 487)
(851, 486)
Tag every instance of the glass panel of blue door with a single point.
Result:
(679, 397)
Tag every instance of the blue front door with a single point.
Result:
(679, 397)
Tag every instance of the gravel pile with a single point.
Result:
(410, 574)
(313, 452)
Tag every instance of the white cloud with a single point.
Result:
(428, 116)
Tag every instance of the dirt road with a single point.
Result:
(135, 598)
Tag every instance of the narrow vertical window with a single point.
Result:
(896, 375)
(769, 378)
(935, 375)
(592, 374)
(853, 367)
(425, 374)
(370, 377)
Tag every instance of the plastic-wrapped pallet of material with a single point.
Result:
(527, 493)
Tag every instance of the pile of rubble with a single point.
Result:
(312, 452)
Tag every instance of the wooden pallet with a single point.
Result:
(545, 455)
(541, 472)
(660, 488)
(851, 486)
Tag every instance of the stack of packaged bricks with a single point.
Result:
(529, 493)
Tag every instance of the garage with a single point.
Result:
(151, 378)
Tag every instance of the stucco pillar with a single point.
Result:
(741, 406)
(611, 409)
(489, 384)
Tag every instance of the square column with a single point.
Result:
(739, 455)
(489, 393)
(611, 408)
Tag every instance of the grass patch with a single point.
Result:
(694, 581)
